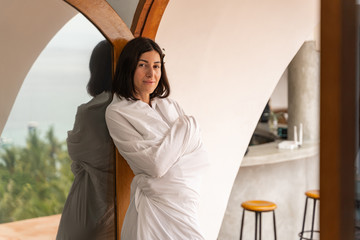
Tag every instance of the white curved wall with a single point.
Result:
(26, 28)
(224, 58)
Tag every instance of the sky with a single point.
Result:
(56, 83)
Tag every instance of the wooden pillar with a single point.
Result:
(147, 18)
(338, 125)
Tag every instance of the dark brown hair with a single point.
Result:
(123, 84)
(100, 69)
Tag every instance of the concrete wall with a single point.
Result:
(304, 92)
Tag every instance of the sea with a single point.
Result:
(55, 86)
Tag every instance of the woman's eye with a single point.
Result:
(156, 66)
(141, 65)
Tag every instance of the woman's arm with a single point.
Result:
(153, 157)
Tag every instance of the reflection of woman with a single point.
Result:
(161, 144)
(89, 208)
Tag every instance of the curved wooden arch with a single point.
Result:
(145, 23)
(147, 17)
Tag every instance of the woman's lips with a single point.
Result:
(149, 82)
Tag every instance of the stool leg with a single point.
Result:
(302, 230)
(256, 223)
(242, 224)
(313, 220)
(260, 225)
(274, 225)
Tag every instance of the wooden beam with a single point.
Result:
(106, 20)
(124, 177)
(147, 18)
(152, 22)
(140, 16)
(338, 107)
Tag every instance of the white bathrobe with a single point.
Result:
(163, 147)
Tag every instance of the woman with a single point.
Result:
(89, 209)
(161, 144)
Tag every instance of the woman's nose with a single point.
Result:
(149, 72)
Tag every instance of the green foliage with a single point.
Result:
(34, 179)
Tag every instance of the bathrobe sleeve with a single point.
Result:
(153, 157)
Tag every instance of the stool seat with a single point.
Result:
(259, 206)
(314, 194)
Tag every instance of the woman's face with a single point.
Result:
(147, 75)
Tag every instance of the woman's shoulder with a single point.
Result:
(115, 105)
(123, 106)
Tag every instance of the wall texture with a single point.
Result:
(304, 92)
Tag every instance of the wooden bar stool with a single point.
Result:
(258, 206)
(315, 195)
